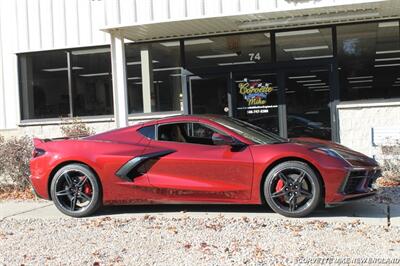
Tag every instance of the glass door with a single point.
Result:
(307, 101)
(256, 99)
(209, 94)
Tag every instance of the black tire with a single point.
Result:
(76, 191)
(297, 194)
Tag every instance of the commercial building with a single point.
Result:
(321, 68)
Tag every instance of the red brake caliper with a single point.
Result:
(87, 189)
(279, 186)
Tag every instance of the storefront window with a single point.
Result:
(166, 74)
(307, 98)
(134, 78)
(257, 99)
(369, 60)
(44, 85)
(167, 77)
(304, 44)
(92, 82)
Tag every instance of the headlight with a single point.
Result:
(329, 152)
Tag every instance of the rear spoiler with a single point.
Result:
(39, 142)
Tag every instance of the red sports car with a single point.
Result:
(198, 159)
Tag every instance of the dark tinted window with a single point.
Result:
(44, 85)
(92, 84)
(369, 60)
(148, 131)
(134, 78)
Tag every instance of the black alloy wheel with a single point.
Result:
(75, 190)
(292, 189)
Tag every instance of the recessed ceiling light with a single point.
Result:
(134, 78)
(319, 87)
(319, 70)
(310, 48)
(387, 59)
(297, 32)
(60, 69)
(388, 52)
(387, 65)
(264, 74)
(308, 80)
(312, 57)
(195, 77)
(314, 84)
(237, 63)
(361, 87)
(360, 77)
(361, 81)
(388, 24)
(311, 112)
(139, 63)
(396, 85)
(217, 56)
(168, 69)
(95, 74)
(155, 81)
(303, 77)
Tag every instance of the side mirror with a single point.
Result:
(219, 139)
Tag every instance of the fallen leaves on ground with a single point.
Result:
(388, 181)
(12, 194)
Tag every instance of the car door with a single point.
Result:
(197, 170)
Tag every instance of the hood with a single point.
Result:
(354, 158)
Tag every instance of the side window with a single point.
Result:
(172, 132)
(195, 133)
(197, 130)
(149, 131)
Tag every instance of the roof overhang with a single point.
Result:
(276, 19)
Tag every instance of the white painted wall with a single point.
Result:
(358, 118)
(34, 25)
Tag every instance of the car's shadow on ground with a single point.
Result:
(356, 209)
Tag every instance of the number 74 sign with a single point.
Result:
(255, 56)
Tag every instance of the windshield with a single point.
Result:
(249, 131)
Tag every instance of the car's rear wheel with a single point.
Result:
(292, 189)
(75, 190)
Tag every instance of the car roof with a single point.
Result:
(177, 118)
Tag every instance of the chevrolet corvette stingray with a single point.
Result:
(198, 159)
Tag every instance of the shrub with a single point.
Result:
(15, 154)
(391, 160)
(75, 128)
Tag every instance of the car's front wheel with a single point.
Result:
(292, 189)
(76, 191)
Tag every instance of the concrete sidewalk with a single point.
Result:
(367, 212)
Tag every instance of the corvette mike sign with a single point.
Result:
(255, 95)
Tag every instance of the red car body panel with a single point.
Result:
(192, 172)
